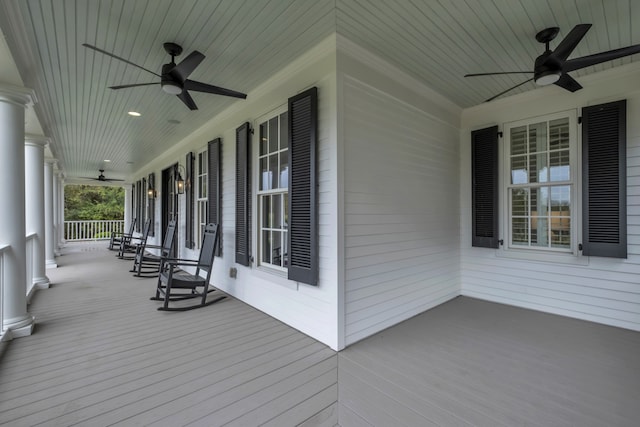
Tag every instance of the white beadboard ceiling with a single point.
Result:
(245, 41)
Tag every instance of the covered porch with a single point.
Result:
(102, 355)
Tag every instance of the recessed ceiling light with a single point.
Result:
(134, 113)
(107, 160)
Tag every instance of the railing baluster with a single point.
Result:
(92, 230)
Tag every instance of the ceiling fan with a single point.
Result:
(552, 66)
(173, 79)
(102, 178)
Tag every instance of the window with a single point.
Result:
(540, 187)
(201, 195)
(273, 191)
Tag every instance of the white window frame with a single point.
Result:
(202, 203)
(532, 252)
(259, 194)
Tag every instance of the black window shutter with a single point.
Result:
(152, 204)
(143, 199)
(604, 180)
(484, 188)
(188, 192)
(303, 224)
(214, 213)
(139, 224)
(133, 205)
(243, 230)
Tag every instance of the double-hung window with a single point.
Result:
(541, 183)
(550, 182)
(273, 190)
(201, 195)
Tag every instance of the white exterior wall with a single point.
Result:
(399, 165)
(310, 309)
(605, 290)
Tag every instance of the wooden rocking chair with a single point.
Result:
(175, 284)
(146, 264)
(130, 243)
(117, 238)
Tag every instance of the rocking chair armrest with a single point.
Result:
(180, 261)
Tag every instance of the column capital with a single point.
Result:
(37, 140)
(50, 161)
(17, 95)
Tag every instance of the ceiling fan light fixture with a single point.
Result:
(172, 88)
(548, 78)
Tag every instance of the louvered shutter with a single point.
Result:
(213, 187)
(143, 199)
(188, 192)
(604, 182)
(243, 230)
(303, 224)
(484, 176)
(152, 204)
(140, 222)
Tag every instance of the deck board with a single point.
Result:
(470, 362)
(101, 354)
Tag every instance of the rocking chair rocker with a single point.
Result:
(175, 284)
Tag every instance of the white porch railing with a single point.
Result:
(91, 230)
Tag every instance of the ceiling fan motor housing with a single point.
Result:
(168, 82)
(547, 69)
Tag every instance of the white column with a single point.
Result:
(60, 210)
(15, 318)
(49, 238)
(127, 207)
(55, 204)
(34, 203)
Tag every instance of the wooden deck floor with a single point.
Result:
(102, 355)
(474, 363)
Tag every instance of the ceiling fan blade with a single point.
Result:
(186, 67)
(203, 87)
(510, 89)
(112, 179)
(597, 58)
(498, 73)
(119, 58)
(569, 43)
(133, 85)
(569, 83)
(188, 100)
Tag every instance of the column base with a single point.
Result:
(41, 282)
(21, 327)
(50, 263)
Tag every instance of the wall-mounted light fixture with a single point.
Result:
(179, 180)
(151, 192)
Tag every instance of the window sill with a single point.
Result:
(546, 257)
(278, 277)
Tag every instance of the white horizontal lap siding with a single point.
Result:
(400, 210)
(604, 290)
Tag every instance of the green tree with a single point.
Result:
(90, 202)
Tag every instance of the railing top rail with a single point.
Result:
(4, 247)
(32, 235)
